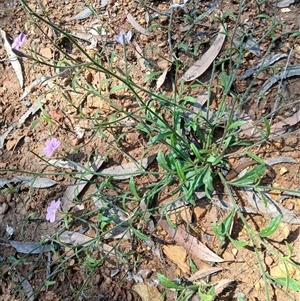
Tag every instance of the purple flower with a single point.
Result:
(18, 42)
(51, 211)
(176, 5)
(51, 146)
(123, 36)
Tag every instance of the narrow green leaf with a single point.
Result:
(250, 176)
(236, 124)
(193, 267)
(139, 234)
(159, 137)
(238, 243)
(268, 127)
(225, 79)
(133, 188)
(168, 283)
(291, 284)
(152, 75)
(117, 88)
(162, 161)
(271, 227)
(179, 170)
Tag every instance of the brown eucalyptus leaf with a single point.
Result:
(29, 247)
(271, 209)
(191, 244)
(75, 238)
(13, 58)
(222, 284)
(162, 78)
(204, 273)
(27, 288)
(200, 66)
(84, 14)
(135, 24)
(74, 189)
(127, 170)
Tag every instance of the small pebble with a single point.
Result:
(234, 251)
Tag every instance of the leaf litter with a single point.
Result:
(200, 66)
(191, 244)
(74, 169)
(12, 58)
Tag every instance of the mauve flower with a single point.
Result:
(175, 5)
(123, 36)
(51, 146)
(18, 42)
(51, 211)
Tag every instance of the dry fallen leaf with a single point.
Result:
(30, 247)
(13, 58)
(192, 245)
(147, 292)
(269, 207)
(200, 66)
(222, 284)
(181, 214)
(74, 189)
(127, 170)
(27, 288)
(161, 79)
(135, 24)
(178, 256)
(204, 273)
(84, 14)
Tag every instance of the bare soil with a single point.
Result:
(24, 209)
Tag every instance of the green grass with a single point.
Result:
(192, 151)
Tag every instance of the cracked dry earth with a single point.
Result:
(24, 208)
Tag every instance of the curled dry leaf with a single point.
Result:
(200, 66)
(31, 111)
(161, 79)
(289, 72)
(4, 135)
(266, 62)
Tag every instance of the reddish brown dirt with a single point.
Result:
(24, 208)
